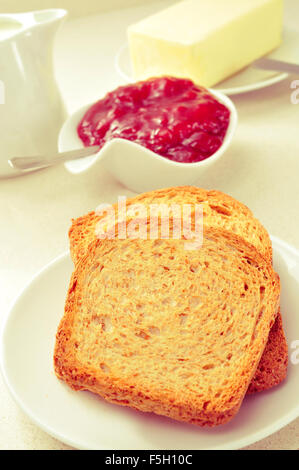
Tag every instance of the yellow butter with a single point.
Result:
(205, 40)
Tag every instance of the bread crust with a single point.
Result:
(220, 210)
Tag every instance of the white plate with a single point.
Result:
(83, 420)
(249, 79)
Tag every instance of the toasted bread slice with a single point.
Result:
(272, 368)
(220, 210)
(151, 325)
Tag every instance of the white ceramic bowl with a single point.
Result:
(137, 167)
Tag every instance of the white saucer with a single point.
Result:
(85, 421)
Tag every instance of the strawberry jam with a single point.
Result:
(170, 116)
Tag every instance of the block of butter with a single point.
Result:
(205, 40)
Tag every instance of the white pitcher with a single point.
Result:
(31, 109)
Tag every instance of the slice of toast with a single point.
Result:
(272, 368)
(220, 210)
(153, 326)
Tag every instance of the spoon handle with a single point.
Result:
(44, 161)
(276, 65)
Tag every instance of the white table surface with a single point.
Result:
(261, 169)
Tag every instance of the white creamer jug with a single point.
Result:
(31, 109)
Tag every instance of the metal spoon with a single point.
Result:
(276, 65)
(43, 161)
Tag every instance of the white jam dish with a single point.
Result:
(135, 166)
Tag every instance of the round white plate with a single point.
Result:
(85, 421)
(249, 79)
